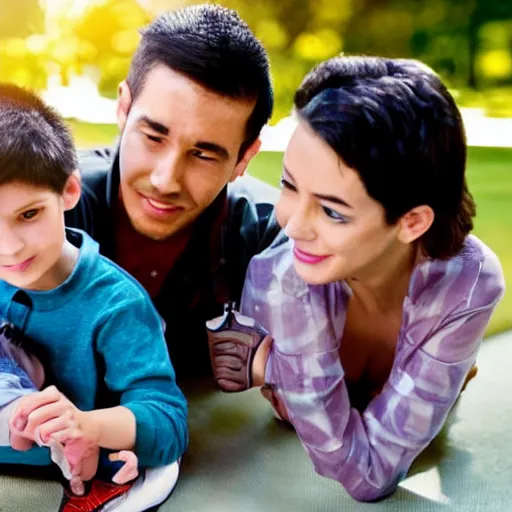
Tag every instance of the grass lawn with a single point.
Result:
(490, 181)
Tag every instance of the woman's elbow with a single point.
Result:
(366, 492)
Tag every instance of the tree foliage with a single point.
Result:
(469, 42)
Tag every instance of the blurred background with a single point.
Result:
(75, 52)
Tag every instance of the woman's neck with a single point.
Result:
(385, 284)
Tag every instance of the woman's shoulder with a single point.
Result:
(473, 278)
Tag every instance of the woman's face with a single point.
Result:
(339, 231)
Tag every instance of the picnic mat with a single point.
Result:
(241, 460)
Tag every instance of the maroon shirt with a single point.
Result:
(149, 261)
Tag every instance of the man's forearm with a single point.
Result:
(115, 428)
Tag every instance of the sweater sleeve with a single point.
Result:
(137, 364)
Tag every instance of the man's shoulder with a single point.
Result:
(94, 165)
(251, 210)
(254, 190)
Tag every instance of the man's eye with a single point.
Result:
(286, 184)
(29, 214)
(203, 156)
(335, 216)
(153, 138)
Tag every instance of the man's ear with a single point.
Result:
(72, 191)
(249, 154)
(124, 102)
(415, 223)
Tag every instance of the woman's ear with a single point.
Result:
(415, 223)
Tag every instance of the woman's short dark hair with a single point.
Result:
(36, 146)
(394, 122)
(213, 46)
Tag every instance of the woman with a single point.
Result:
(376, 296)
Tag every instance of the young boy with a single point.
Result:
(114, 384)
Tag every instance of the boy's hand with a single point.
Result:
(49, 414)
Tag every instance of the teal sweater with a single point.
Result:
(104, 338)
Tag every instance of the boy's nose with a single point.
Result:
(10, 244)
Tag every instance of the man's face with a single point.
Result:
(179, 148)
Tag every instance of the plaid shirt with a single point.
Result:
(445, 313)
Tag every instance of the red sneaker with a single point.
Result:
(102, 496)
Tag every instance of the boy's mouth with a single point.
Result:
(19, 267)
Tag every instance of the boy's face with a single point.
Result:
(32, 232)
(179, 147)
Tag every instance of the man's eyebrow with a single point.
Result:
(212, 147)
(329, 198)
(154, 125)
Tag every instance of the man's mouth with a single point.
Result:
(156, 207)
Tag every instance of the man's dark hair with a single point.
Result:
(394, 122)
(36, 146)
(213, 46)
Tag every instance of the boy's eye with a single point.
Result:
(29, 214)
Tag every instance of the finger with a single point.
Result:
(68, 435)
(77, 486)
(125, 456)
(20, 443)
(77, 449)
(125, 474)
(34, 401)
(42, 415)
(56, 425)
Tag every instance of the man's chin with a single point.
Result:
(157, 233)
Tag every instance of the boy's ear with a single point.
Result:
(124, 102)
(72, 190)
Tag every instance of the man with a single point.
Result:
(190, 112)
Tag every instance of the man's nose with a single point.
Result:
(167, 177)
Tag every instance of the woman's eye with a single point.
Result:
(337, 217)
(29, 214)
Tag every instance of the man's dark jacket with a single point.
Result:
(209, 272)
